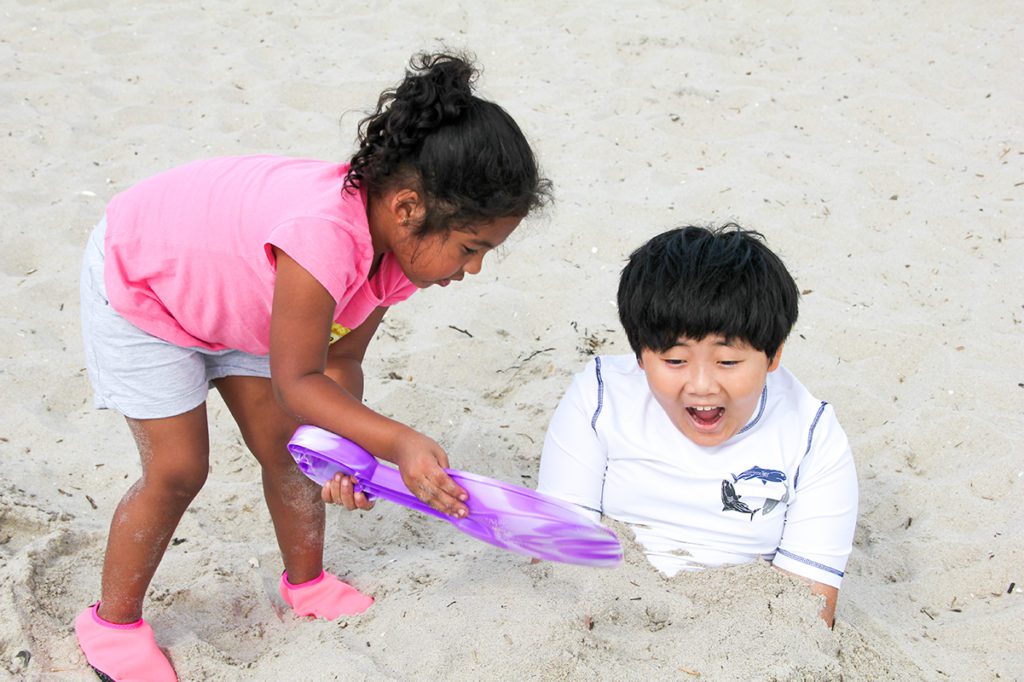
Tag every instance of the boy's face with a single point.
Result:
(708, 388)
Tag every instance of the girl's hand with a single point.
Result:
(340, 490)
(421, 462)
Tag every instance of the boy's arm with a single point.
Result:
(831, 595)
(573, 461)
(820, 521)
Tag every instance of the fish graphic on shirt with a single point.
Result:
(763, 475)
(770, 504)
(731, 501)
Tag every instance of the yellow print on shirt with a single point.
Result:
(338, 331)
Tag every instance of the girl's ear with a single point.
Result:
(773, 364)
(406, 207)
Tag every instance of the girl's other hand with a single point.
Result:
(341, 490)
(421, 462)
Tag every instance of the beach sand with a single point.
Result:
(879, 148)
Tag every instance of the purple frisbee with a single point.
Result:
(507, 516)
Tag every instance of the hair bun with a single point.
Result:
(465, 156)
(438, 87)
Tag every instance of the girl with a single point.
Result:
(267, 277)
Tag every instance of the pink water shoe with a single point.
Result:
(121, 652)
(324, 597)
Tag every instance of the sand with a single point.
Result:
(880, 149)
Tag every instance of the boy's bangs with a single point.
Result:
(695, 317)
(694, 282)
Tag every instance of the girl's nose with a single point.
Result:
(474, 265)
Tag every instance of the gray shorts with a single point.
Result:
(137, 374)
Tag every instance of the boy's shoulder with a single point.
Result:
(785, 390)
(607, 377)
(624, 365)
(612, 372)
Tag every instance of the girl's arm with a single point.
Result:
(345, 367)
(299, 331)
(345, 356)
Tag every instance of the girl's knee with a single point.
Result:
(281, 467)
(179, 482)
(271, 449)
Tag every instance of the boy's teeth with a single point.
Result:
(704, 409)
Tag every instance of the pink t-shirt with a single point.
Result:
(189, 258)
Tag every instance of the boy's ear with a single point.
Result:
(773, 364)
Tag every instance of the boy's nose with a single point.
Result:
(701, 381)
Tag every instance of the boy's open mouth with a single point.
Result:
(706, 417)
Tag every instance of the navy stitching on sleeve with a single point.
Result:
(810, 436)
(823, 567)
(600, 393)
(810, 433)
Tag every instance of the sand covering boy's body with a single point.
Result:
(710, 450)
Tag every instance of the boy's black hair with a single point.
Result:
(466, 156)
(693, 281)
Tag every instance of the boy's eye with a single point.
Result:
(675, 362)
(728, 363)
(468, 251)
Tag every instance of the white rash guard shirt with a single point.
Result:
(784, 488)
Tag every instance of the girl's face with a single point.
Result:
(449, 256)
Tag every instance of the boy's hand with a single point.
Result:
(421, 462)
(340, 490)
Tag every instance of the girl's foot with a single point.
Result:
(122, 653)
(324, 597)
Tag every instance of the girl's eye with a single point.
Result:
(468, 251)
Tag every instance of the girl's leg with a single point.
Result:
(293, 500)
(175, 461)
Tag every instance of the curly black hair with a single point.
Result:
(693, 281)
(465, 155)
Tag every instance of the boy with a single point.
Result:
(700, 441)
